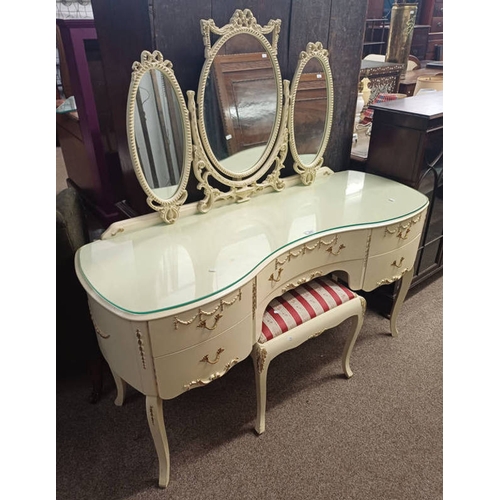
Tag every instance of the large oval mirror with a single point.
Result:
(240, 103)
(311, 111)
(159, 134)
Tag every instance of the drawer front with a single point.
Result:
(126, 348)
(389, 267)
(388, 238)
(198, 366)
(324, 251)
(180, 331)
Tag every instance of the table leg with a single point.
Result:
(154, 410)
(396, 308)
(121, 388)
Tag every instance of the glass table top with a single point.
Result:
(166, 266)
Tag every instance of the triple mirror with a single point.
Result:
(236, 133)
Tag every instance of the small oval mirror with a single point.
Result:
(159, 134)
(240, 110)
(311, 111)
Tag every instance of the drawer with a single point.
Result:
(388, 238)
(386, 268)
(208, 361)
(183, 330)
(327, 250)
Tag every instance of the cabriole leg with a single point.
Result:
(260, 369)
(396, 308)
(351, 340)
(121, 389)
(154, 410)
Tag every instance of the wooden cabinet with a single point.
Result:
(406, 145)
(85, 136)
(432, 14)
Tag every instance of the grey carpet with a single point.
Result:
(377, 436)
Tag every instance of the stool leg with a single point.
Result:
(351, 340)
(260, 370)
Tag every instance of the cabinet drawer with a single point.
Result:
(388, 238)
(200, 365)
(327, 250)
(386, 268)
(199, 324)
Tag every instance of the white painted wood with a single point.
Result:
(151, 277)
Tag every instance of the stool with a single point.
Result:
(298, 315)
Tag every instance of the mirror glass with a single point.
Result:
(310, 111)
(240, 104)
(159, 133)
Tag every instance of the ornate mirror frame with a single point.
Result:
(168, 209)
(205, 165)
(307, 172)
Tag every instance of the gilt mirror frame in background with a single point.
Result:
(167, 206)
(242, 183)
(313, 52)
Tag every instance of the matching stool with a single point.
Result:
(298, 315)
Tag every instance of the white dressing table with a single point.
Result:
(177, 297)
(176, 307)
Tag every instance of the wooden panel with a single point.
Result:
(375, 9)
(345, 45)
(123, 32)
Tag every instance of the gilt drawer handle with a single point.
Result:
(272, 278)
(405, 237)
(203, 323)
(217, 357)
(330, 250)
(400, 263)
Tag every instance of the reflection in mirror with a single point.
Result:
(240, 140)
(159, 133)
(240, 103)
(311, 111)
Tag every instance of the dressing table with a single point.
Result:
(177, 296)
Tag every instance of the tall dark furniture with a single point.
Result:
(86, 137)
(406, 145)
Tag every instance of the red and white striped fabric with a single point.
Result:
(302, 304)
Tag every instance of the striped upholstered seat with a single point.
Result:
(302, 304)
(303, 313)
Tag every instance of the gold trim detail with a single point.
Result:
(152, 415)
(403, 228)
(254, 297)
(273, 279)
(201, 383)
(206, 359)
(261, 359)
(202, 322)
(393, 279)
(317, 334)
(140, 343)
(118, 230)
(363, 304)
(96, 328)
(395, 264)
(337, 253)
(301, 281)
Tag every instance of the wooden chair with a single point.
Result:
(298, 315)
